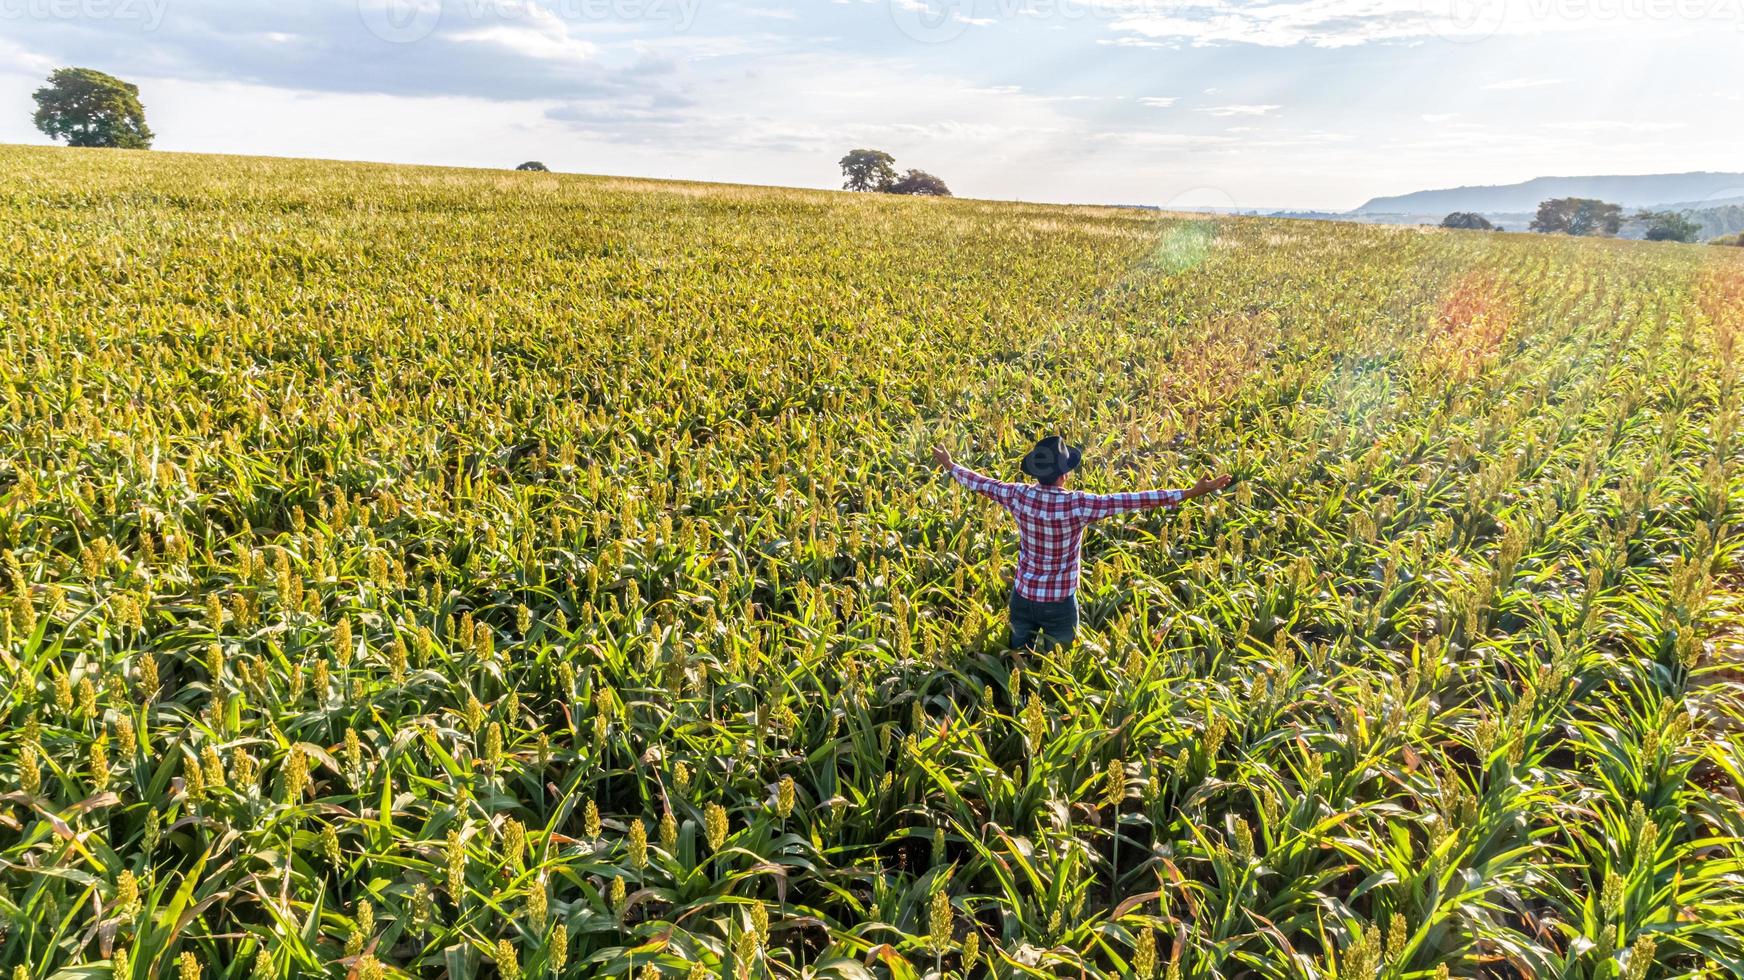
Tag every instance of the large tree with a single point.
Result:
(919, 182)
(1669, 226)
(1467, 219)
(868, 170)
(1578, 216)
(85, 107)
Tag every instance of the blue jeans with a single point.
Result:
(1042, 624)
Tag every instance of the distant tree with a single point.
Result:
(1733, 240)
(1578, 216)
(533, 165)
(88, 108)
(1467, 219)
(868, 170)
(919, 182)
(1668, 226)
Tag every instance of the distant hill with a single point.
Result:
(1717, 221)
(1719, 202)
(1690, 190)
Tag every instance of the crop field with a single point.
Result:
(446, 573)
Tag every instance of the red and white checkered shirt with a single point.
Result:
(1050, 527)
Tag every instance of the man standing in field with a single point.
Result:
(1050, 526)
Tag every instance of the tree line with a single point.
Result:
(875, 170)
(1587, 216)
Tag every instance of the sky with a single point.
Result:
(1235, 103)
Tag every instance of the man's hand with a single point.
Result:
(1208, 485)
(941, 456)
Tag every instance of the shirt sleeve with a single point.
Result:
(1095, 506)
(983, 485)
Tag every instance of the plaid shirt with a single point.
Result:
(1050, 527)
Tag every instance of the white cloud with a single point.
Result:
(22, 60)
(1342, 23)
(1225, 111)
(1515, 84)
(1158, 101)
(1310, 138)
(504, 50)
(1439, 117)
(957, 12)
(529, 42)
(1130, 42)
(810, 107)
(767, 13)
(1617, 126)
(1145, 139)
(1282, 23)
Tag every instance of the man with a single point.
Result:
(1050, 526)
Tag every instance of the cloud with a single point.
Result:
(1515, 84)
(1281, 23)
(20, 59)
(1343, 23)
(957, 12)
(1158, 101)
(491, 49)
(1617, 126)
(1131, 42)
(1161, 140)
(814, 105)
(529, 42)
(768, 13)
(1301, 139)
(1439, 117)
(1225, 111)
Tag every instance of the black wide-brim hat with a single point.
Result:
(1051, 459)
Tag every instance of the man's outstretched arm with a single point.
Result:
(1096, 506)
(984, 485)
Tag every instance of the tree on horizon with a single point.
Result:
(868, 170)
(86, 107)
(920, 183)
(1578, 216)
(1469, 220)
(1669, 226)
